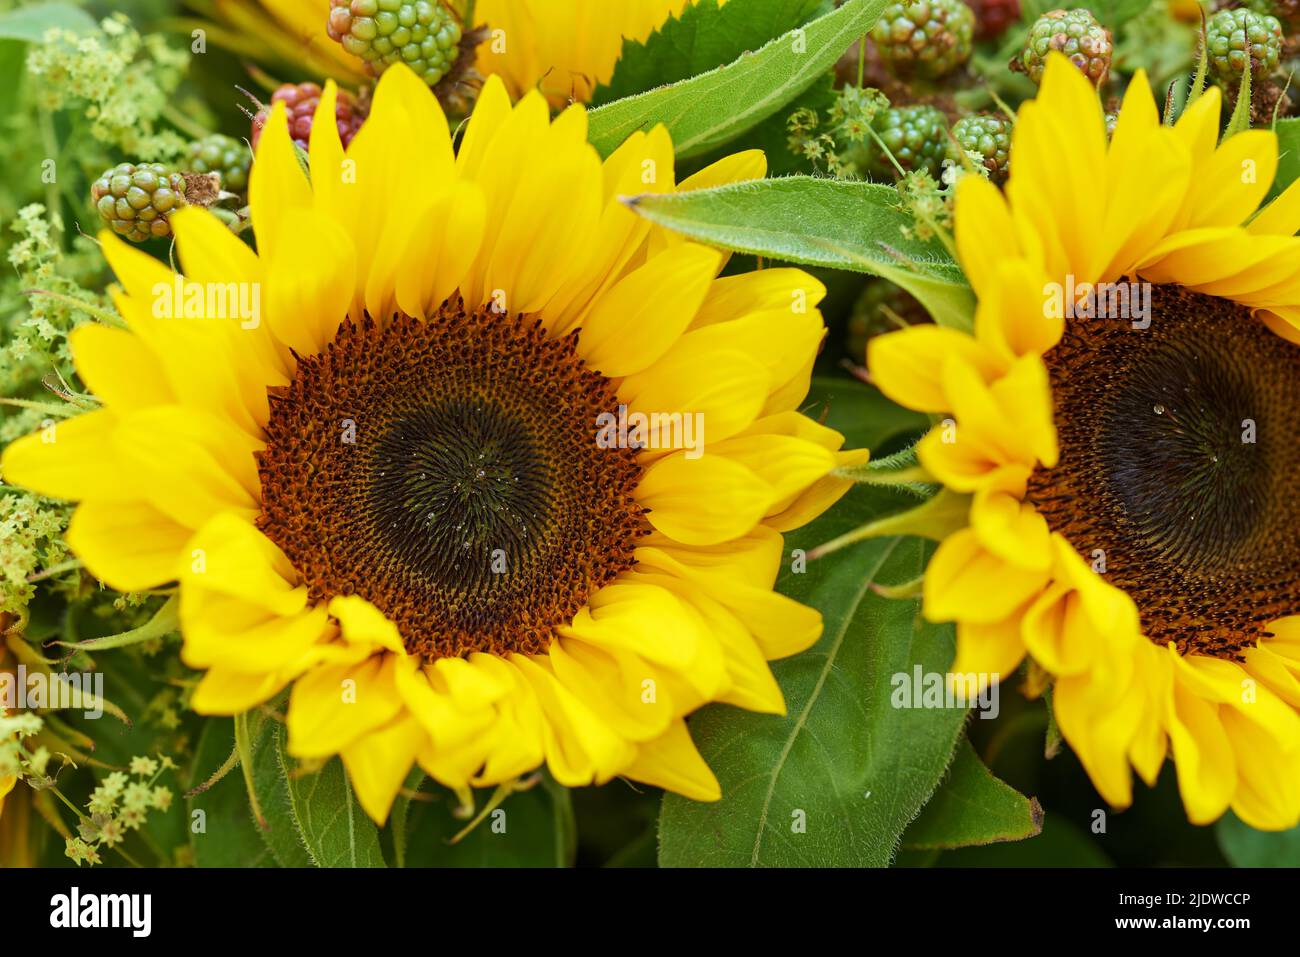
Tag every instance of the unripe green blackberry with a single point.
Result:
(1077, 34)
(423, 34)
(925, 38)
(916, 135)
(223, 155)
(1232, 34)
(135, 200)
(1287, 12)
(988, 137)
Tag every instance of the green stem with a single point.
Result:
(50, 142)
(502, 792)
(75, 810)
(58, 569)
(103, 315)
(49, 408)
(244, 745)
(865, 475)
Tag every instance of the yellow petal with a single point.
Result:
(966, 582)
(276, 183)
(364, 624)
(119, 368)
(645, 312)
(907, 365)
(672, 762)
(378, 764)
(70, 459)
(703, 501)
(310, 282)
(334, 705)
(130, 546)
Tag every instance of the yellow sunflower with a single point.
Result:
(398, 489)
(1132, 477)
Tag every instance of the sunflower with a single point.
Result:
(398, 491)
(1127, 486)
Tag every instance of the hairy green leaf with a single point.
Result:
(1288, 159)
(836, 779)
(334, 828)
(278, 827)
(702, 37)
(972, 807)
(712, 108)
(821, 222)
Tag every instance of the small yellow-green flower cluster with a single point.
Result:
(120, 80)
(14, 761)
(838, 147)
(120, 805)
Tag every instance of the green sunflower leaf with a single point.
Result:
(1244, 846)
(703, 37)
(709, 109)
(821, 222)
(1288, 158)
(972, 807)
(335, 830)
(270, 787)
(837, 779)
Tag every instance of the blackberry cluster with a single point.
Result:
(223, 155)
(134, 200)
(300, 101)
(924, 38)
(423, 34)
(989, 137)
(1077, 34)
(1235, 37)
(917, 136)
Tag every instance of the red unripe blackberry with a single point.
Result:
(992, 17)
(300, 101)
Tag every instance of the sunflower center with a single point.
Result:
(447, 471)
(1179, 475)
